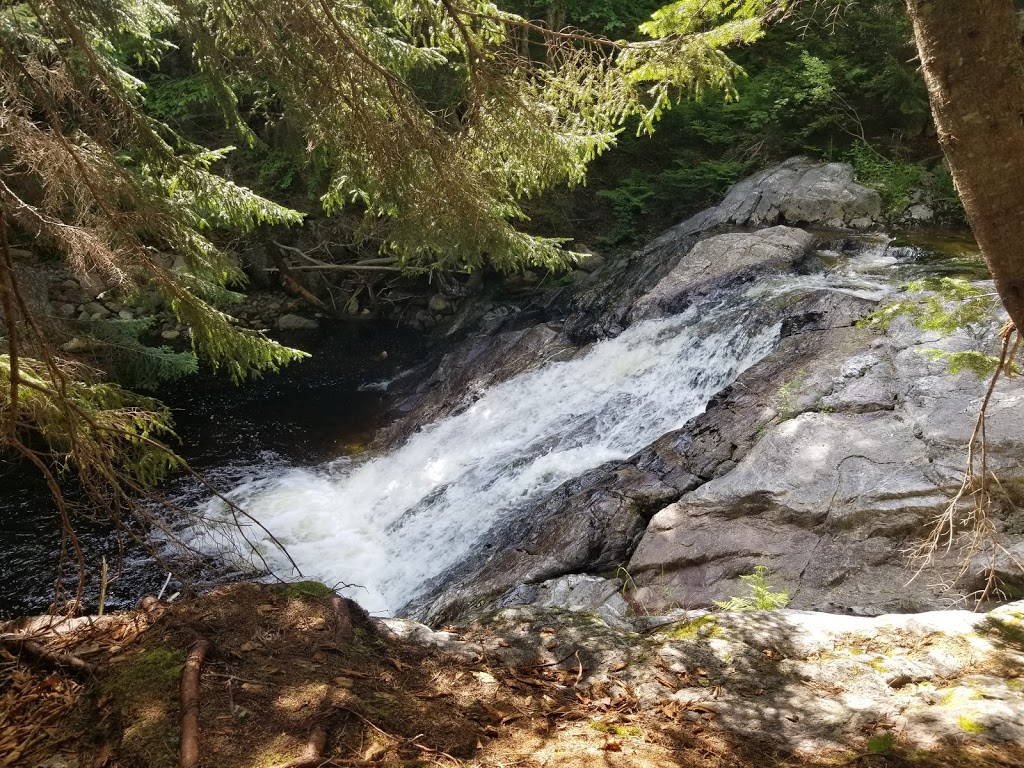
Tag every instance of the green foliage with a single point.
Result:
(882, 743)
(893, 179)
(307, 589)
(702, 626)
(978, 363)
(159, 670)
(813, 84)
(762, 595)
(615, 730)
(101, 430)
(969, 725)
(133, 363)
(949, 305)
(617, 18)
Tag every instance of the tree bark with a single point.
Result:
(974, 69)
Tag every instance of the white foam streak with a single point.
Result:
(391, 523)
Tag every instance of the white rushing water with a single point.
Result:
(393, 522)
(390, 523)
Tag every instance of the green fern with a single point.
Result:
(762, 596)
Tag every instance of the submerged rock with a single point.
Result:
(296, 323)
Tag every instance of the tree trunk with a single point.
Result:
(974, 69)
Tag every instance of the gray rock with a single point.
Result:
(832, 496)
(97, 311)
(586, 260)
(919, 214)
(91, 284)
(126, 314)
(170, 334)
(719, 260)
(797, 191)
(440, 305)
(809, 681)
(581, 593)
(296, 323)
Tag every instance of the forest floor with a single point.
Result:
(292, 680)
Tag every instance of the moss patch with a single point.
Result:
(699, 628)
(881, 743)
(144, 691)
(970, 726)
(306, 589)
(615, 730)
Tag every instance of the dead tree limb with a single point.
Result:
(22, 646)
(189, 754)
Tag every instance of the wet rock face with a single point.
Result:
(725, 259)
(595, 522)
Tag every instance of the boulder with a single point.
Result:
(440, 305)
(586, 260)
(797, 191)
(846, 481)
(721, 260)
(296, 323)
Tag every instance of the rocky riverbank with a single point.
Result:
(826, 461)
(583, 626)
(287, 675)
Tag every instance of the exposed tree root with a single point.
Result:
(188, 756)
(313, 755)
(971, 507)
(30, 649)
(343, 628)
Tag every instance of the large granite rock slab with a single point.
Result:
(797, 191)
(841, 487)
(726, 259)
(799, 681)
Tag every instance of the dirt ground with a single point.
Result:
(286, 668)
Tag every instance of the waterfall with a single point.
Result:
(388, 524)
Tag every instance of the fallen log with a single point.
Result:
(188, 756)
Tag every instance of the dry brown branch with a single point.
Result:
(188, 756)
(30, 649)
(971, 507)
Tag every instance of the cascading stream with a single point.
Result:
(389, 524)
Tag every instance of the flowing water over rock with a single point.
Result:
(394, 525)
(390, 524)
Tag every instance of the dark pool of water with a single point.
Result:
(309, 412)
